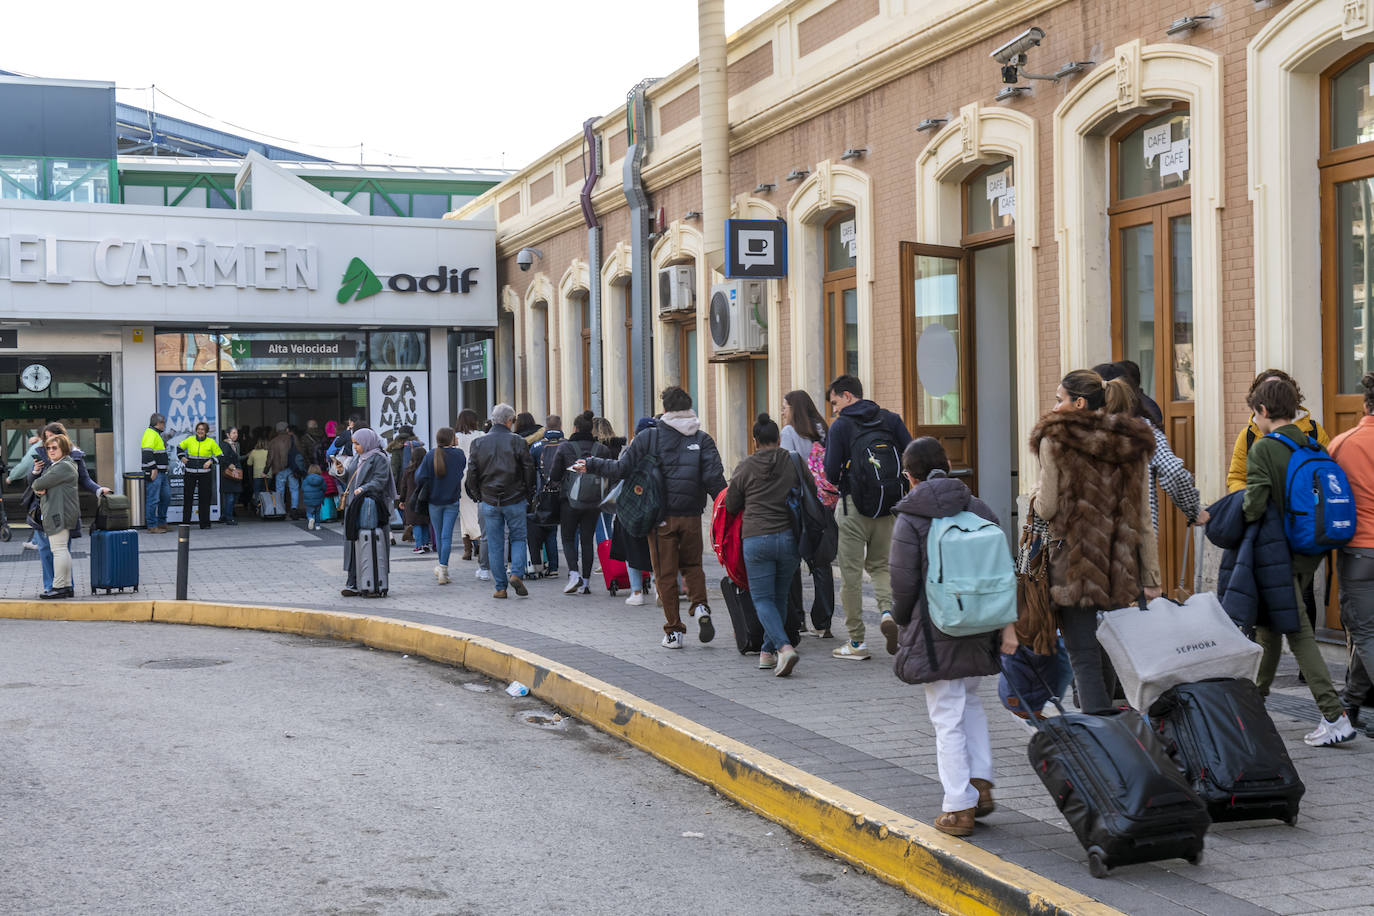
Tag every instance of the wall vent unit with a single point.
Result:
(739, 310)
(677, 288)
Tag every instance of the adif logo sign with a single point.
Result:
(360, 282)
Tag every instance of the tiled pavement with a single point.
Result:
(852, 723)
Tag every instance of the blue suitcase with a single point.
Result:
(114, 560)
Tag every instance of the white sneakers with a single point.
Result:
(1331, 733)
(310, 525)
(483, 574)
(574, 583)
(441, 574)
(851, 651)
(636, 599)
(673, 641)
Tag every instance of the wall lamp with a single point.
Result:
(1010, 92)
(692, 214)
(930, 124)
(1186, 24)
(798, 174)
(764, 187)
(854, 153)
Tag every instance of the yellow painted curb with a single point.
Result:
(955, 876)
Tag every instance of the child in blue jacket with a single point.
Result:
(312, 494)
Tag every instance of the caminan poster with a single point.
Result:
(186, 399)
(399, 398)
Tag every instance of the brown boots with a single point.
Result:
(467, 547)
(961, 823)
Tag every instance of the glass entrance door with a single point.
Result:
(939, 349)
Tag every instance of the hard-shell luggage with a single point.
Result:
(269, 506)
(114, 560)
(329, 509)
(1115, 784)
(1232, 754)
(616, 572)
(372, 562)
(111, 514)
(1167, 643)
(745, 620)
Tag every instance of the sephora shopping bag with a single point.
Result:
(1165, 643)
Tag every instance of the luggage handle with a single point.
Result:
(1011, 682)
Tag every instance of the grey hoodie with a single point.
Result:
(956, 657)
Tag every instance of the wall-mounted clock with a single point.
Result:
(36, 377)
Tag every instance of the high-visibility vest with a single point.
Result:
(196, 451)
(154, 450)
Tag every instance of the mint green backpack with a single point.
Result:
(970, 580)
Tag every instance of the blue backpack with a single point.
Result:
(1319, 510)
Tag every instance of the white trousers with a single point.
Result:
(961, 739)
(61, 559)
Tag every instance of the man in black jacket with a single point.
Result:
(865, 532)
(501, 480)
(692, 472)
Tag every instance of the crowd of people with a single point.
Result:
(513, 489)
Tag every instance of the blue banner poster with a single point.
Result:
(186, 399)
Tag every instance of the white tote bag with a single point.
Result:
(1166, 644)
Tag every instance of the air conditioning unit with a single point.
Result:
(739, 312)
(677, 288)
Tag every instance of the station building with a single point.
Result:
(1190, 188)
(235, 286)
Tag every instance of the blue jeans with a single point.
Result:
(45, 555)
(497, 522)
(771, 560)
(421, 535)
(156, 499)
(547, 546)
(283, 478)
(442, 519)
(226, 506)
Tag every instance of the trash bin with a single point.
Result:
(135, 487)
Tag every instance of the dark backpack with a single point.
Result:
(583, 491)
(815, 528)
(546, 498)
(640, 506)
(874, 470)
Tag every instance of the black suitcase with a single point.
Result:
(1115, 784)
(745, 620)
(1230, 750)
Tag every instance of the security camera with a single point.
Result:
(1018, 46)
(525, 258)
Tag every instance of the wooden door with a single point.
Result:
(937, 322)
(1152, 297)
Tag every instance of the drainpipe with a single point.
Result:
(715, 129)
(593, 170)
(641, 336)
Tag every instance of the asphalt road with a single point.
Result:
(150, 769)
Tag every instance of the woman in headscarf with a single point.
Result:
(368, 477)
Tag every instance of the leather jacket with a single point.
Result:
(500, 469)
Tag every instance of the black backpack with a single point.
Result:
(874, 470)
(815, 529)
(546, 498)
(640, 507)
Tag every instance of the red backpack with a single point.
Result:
(726, 540)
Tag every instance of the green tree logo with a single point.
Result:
(359, 282)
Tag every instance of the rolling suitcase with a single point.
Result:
(372, 562)
(745, 620)
(617, 574)
(1231, 752)
(114, 560)
(1117, 787)
(269, 506)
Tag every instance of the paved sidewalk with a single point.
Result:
(852, 723)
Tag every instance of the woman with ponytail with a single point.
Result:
(760, 489)
(1094, 458)
(443, 469)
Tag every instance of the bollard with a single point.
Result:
(183, 559)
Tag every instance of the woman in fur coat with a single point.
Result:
(1094, 477)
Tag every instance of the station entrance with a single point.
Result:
(254, 400)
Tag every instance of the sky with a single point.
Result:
(487, 84)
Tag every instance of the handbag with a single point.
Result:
(234, 472)
(1036, 625)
